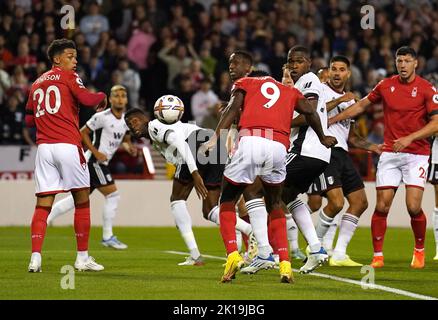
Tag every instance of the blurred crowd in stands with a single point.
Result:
(155, 47)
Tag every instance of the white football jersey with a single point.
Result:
(339, 130)
(434, 156)
(304, 140)
(158, 132)
(108, 133)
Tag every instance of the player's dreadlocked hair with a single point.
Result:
(58, 46)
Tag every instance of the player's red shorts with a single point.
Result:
(60, 167)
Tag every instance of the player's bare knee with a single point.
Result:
(314, 205)
(359, 205)
(383, 207)
(413, 208)
(336, 204)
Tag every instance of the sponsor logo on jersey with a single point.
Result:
(118, 135)
(308, 85)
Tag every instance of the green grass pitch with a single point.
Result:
(145, 271)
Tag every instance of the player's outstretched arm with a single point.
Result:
(305, 107)
(353, 111)
(174, 140)
(336, 102)
(356, 141)
(85, 134)
(428, 130)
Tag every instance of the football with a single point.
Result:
(168, 109)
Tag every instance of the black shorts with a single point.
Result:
(340, 173)
(433, 173)
(100, 175)
(212, 168)
(301, 171)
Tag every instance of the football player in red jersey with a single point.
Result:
(410, 106)
(266, 108)
(60, 165)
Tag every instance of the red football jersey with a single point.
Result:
(268, 108)
(406, 108)
(54, 103)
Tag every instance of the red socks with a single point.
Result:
(227, 226)
(82, 225)
(38, 227)
(418, 223)
(378, 229)
(279, 234)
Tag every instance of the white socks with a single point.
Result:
(109, 212)
(259, 222)
(184, 224)
(346, 231)
(61, 207)
(324, 223)
(302, 217)
(327, 241)
(292, 233)
(82, 256)
(241, 225)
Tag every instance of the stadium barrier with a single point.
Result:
(146, 203)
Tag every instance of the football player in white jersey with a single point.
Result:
(433, 179)
(307, 158)
(110, 131)
(178, 144)
(341, 179)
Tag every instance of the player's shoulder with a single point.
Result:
(425, 84)
(308, 80)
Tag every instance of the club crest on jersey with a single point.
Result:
(414, 92)
(435, 98)
(84, 166)
(392, 89)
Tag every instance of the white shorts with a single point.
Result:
(394, 168)
(257, 156)
(60, 167)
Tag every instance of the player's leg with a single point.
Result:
(335, 203)
(378, 223)
(388, 178)
(230, 194)
(73, 168)
(178, 208)
(357, 205)
(414, 171)
(38, 230)
(314, 202)
(112, 198)
(414, 197)
(435, 220)
(301, 173)
(47, 183)
(433, 179)
(277, 217)
(60, 208)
